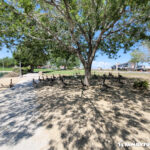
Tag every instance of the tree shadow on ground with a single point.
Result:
(18, 114)
(97, 120)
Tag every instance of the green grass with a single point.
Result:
(81, 72)
(6, 69)
(43, 70)
(61, 72)
(145, 76)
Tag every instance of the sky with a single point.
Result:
(101, 60)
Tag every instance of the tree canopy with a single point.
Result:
(82, 27)
(31, 53)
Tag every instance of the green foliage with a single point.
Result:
(122, 22)
(16, 70)
(143, 85)
(64, 58)
(83, 27)
(25, 70)
(31, 53)
(5, 69)
(137, 56)
(7, 62)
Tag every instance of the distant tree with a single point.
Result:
(64, 58)
(137, 56)
(31, 53)
(8, 62)
(147, 53)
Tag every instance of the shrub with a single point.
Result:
(16, 70)
(25, 70)
(143, 85)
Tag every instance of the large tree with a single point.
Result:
(84, 27)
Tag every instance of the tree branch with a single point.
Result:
(36, 38)
(69, 19)
(111, 25)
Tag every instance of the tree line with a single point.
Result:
(7, 62)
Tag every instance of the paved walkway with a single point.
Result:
(18, 115)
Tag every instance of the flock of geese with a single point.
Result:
(50, 81)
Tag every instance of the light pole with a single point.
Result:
(3, 64)
(20, 65)
(20, 68)
(117, 66)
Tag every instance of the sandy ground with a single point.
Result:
(5, 81)
(56, 118)
(17, 109)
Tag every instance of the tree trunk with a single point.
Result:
(65, 67)
(32, 68)
(87, 77)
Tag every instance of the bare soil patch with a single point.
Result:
(99, 118)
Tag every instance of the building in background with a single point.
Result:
(125, 66)
(131, 67)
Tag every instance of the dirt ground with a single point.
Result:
(5, 82)
(98, 119)
(45, 117)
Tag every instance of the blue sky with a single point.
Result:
(101, 61)
(5, 53)
(106, 63)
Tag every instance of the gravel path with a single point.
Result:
(19, 129)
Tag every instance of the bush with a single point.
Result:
(16, 70)
(23, 69)
(143, 85)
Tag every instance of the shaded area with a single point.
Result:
(17, 113)
(97, 120)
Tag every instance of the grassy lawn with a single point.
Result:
(141, 75)
(62, 72)
(81, 72)
(43, 70)
(6, 69)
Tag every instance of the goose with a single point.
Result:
(11, 84)
(34, 83)
(62, 81)
(40, 79)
